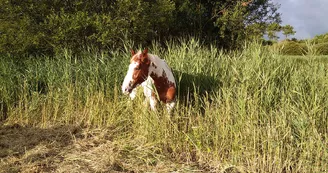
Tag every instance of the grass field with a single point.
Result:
(245, 111)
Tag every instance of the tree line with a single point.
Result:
(43, 26)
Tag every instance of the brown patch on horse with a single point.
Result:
(166, 89)
(141, 71)
(154, 65)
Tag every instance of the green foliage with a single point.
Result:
(288, 30)
(238, 21)
(293, 48)
(302, 47)
(36, 27)
(322, 48)
(272, 31)
(310, 48)
(323, 38)
(231, 24)
(51, 25)
(316, 46)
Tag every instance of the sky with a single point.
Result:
(308, 17)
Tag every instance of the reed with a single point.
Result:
(252, 110)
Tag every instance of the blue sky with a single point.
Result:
(308, 17)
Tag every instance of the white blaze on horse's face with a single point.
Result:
(137, 72)
(128, 80)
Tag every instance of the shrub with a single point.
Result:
(293, 48)
(322, 48)
(323, 38)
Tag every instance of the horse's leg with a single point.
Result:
(149, 93)
(133, 93)
(153, 102)
(149, 96)
(170, 106)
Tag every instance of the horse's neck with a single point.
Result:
(159, 68)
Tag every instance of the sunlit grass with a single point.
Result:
(251, 110)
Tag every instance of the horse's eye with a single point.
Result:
(137, 68)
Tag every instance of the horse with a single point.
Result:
(154, 75)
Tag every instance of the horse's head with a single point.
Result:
(138, 71)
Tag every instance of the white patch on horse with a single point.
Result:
(161, 68)
(128, 79)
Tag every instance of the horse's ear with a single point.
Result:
(144, 57)
(145, 51)
(132, 52)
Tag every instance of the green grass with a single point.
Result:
(249, 111)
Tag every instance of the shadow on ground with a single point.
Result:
(33, 149)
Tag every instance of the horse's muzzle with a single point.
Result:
(128, 89)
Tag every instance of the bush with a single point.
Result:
(323, 38)
(293, 48)
(322, 48)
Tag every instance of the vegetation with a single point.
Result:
(43, 27)
(239, 111)
(314, 46)
(242, 106)
(320, 43)
(288, 30)
(272, 31)
(322, 48)
(293, 48)
(323, 38)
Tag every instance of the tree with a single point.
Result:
(288, 30)
(44, 26)
(272, 31)
(227, 22)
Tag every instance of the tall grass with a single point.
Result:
(251, 110)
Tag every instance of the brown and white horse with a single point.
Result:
(154, 75)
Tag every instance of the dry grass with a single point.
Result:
(244, 111)
(73, 149)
